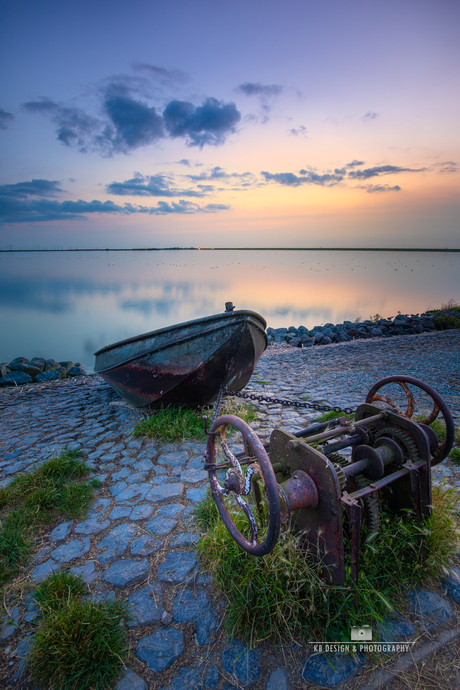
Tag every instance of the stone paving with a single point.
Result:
(137, 540)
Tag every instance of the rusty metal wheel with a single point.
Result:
(238, 484)
(438, 406)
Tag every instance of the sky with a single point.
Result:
(254, 123)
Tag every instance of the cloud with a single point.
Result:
(74, 126)
(371, 188)
(186, 207)
(6, 118)
(380, 170)
(447, 167)
(18, 205)
(347, 166)
(135, 123)
(300, 131)
(22, 190)
(370, 116)
(149, 185)
(306, 177)
(209, 123)
(164, 76)
(256, 89)
(126, 121)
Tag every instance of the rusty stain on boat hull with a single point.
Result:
(187, 363)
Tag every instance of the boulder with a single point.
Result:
(76, 371)
(16, 378)
(39, 362)
(29, 368)
(67, 365)
(51, 375)
(51, 364)
(13, 365)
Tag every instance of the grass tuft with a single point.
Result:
(441, 533)
(78, 644)
(282, 596)
(170, 423)
(33, 500)
(58, 589)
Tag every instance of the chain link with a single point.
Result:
(289, 403)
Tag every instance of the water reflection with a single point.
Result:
(66, 305)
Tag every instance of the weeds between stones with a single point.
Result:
(282, 596)
(33, 500)
(78, 644)
(170, 424)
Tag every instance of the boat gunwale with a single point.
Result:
(186, 337)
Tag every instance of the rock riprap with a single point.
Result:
(136, 542)
(21, 371)
(402, 324)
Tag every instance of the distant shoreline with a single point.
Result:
(250, 249)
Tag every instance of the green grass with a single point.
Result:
(34, 500)
(329, 416)
(171, 424)
(446, 322)
(282, 597)
(454, 455)
(78, 644)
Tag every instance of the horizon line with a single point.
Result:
(259, 249)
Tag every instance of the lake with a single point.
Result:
(66, 305)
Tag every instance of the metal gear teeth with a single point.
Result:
(409, 447)
(373, 510)
(341, 477)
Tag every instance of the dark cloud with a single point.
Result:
(256, 89)
(209, 123)
(149, 185)
(44, 105)
(18, 205)
(370, 116)
(129, 122)
(354, 164)
(380, 170)
(135, 123)
(6, 118)
(371, 188)
(185, 161)
(164, 76)
(306, 177)
(22, 190)
(74, 126)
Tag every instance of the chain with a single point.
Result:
(289, 403)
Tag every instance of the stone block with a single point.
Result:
(241, 662)
(176, 567)
(126, 572)
(159, 650)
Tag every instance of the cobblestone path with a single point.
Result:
(137, 542)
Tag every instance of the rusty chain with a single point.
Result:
(289, 403)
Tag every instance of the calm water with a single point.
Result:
(66, 305)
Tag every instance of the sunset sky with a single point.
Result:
(250, 123)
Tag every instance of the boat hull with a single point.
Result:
(187, 363)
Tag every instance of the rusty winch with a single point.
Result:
(331, 477)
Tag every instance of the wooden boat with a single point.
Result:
(187, 363)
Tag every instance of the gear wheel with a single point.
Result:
(403, 438)
(371, 507)
(339, 462)
(341, 477)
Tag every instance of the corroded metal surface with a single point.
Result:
(188, 363)
(390, 466)
(237, 485)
